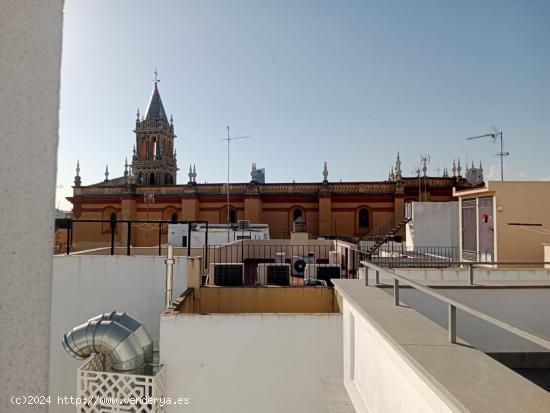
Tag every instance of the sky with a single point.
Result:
(346, 82)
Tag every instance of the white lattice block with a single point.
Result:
(104, 391)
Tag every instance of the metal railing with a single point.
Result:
(452, 304)
(398, 255)
(114, 224)
(386, 231)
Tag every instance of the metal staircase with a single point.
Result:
(386, 231)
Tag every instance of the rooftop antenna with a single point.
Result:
(424, 162)
(496, 134)
(229, 139)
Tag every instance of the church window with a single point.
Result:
(297, 214)
(363, 218)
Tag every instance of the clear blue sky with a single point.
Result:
(349, 82)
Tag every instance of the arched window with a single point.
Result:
(143, 147)
(174, 217)
(152, 178)
(109, 213)
(363, 218)
(232, 216)
(170, 179)
(153, 147)
(296, 214)
(167, 179)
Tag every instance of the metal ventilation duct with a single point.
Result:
(116, 335)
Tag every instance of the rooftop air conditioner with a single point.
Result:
(322, 272)
(227, 274)
(299, 263)
(273, 273)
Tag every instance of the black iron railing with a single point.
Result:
(396, 255)
(115, 225)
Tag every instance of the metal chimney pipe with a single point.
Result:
(169, 275)
(116, 335)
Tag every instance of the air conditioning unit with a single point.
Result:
(227, 274)
(243, 224)
(299, 264)
(322, 272)
(273, 273)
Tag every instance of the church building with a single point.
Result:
(149, 190)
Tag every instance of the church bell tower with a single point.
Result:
(154, 160)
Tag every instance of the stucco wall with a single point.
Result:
(433, 224)
(377, 376)
(245, 363)
(30, 50)
(518, 202)
(84, 286)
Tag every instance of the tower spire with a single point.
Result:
(155, 109)
(77, 180)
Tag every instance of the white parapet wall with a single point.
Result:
(84, 286)
(396, 360)
(433, 224)
(235, 363)
(378, 375)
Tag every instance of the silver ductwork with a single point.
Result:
(116, 335)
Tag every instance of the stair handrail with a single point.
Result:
(385, 226)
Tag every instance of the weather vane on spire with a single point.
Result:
(156, 76)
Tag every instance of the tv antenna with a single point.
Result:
(229, 139)
(424, 162)
(496, 134)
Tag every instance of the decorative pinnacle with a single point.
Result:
(398, 170)
(134, 150)
(106, 173)
(77, 180)
(454, 168)
(137, 116)
(254, 172)
(458, 168)
(325, 172)
(190, 174)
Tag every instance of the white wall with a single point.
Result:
(248, 363)
(84, 286)
(523, 308)
(379, 378)
(480, 274)
(30, 50)
(433, 224)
